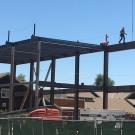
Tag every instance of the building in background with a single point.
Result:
(19, 93)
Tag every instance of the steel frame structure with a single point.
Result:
(38, 49)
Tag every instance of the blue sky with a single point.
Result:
(84, 20)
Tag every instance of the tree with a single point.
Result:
(99, 80)
(21, 77)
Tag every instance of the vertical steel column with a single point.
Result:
(37, 74)
(76, 98)
(11, 102)
(34, 33)
(8, 36)
(14, 71)
(31, 85)
(105, 80)
(52, 80)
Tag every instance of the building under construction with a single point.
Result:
(37, 49)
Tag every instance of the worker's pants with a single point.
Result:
(122, 38)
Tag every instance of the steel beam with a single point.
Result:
(113, 89)
(11, 101)
(70, 88)
(52, 81)
(121, 47)
(31, 85)
(66, 85)
(76, 98)
(49, 69)
(105, 79)
(125, 88)
(66, 91)
(14, 71)
(37, 74)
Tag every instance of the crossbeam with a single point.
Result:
(121, 47)
(114, 89)
(66, 85)
(82, 88)
(88, 88)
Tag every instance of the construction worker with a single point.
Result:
(122, 35)
(105, 42)
(106, 39)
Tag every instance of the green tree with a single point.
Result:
(99, 80)
(21, 77)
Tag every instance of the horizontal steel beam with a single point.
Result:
(69, 88)
(121, 47)
(88, 88)
(125, 88)
(66, 85)
(66, 91)
(117, 89)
